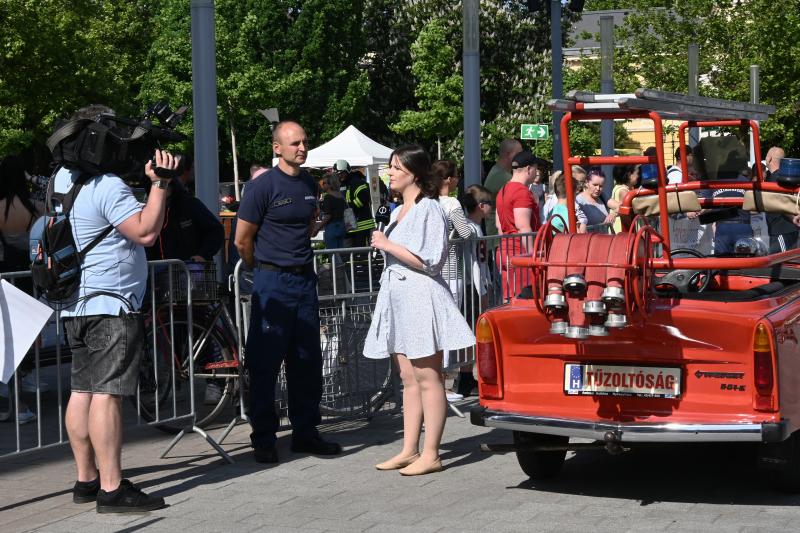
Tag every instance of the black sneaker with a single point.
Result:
(316, 445)
(267, 454)
(128, 498)
(466, 384)
(85, 491)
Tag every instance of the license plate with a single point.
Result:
(612, 380)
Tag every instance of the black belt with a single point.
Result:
(297, 269)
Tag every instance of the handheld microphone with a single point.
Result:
(382, 217)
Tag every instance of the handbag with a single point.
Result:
(350, 222)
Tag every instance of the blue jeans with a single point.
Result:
(726, 235)
(284, 326)
(334, 234)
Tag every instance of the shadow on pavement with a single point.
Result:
(711, 474)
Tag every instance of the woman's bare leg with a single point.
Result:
(412, 414)
(428, 373)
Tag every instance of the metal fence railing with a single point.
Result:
(348, 285)
(177, 353)
(192, 375)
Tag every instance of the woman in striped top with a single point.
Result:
(458, 228)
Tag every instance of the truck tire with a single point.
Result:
(540, 465)
(779, 463)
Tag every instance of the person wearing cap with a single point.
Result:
(516, 212)
(277, 218)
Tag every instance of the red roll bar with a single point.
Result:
(752, 124)
(659, 160)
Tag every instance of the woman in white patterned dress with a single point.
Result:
(415, 316)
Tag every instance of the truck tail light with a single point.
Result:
(764, 369)
(488, 370)
(487, 361)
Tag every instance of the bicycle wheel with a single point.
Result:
(167, 386)
(352, 384)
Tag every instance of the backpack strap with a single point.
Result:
(82, 254)
(67, 200)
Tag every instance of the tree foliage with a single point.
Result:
(60, 55)
(732, 35)
(375, 64)
(439, 87)
(270, 53)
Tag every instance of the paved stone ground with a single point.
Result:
(687, 489)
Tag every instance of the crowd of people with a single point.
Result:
(434, 254)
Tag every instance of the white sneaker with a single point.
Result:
(454, 396)
(28, 383)
(213, 393)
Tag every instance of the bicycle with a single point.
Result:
(352, 385)
(164, 375)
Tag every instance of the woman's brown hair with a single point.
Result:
(417, 161)
(443, 169)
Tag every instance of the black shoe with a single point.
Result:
(85, 491)
(466, 384)
(128, 498)
(267, 454)
(314, 444)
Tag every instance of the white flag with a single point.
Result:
(22, 318)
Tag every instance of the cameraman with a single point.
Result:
(104, 326)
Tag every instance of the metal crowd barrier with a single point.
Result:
(165, 397)
(353, 386)
(349, 280)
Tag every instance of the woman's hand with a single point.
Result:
(379, 241)
(612, 216)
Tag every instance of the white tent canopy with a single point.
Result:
(352, 146)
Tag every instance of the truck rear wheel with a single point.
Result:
(779, 463)
(540, 465)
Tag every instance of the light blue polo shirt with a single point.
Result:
(116, 265)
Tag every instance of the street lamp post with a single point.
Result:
(555, 8)
(472, 94)
(558, 82)
(273, 118)
(204, 82)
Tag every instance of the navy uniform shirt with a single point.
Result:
(742, 216)
(283, 206)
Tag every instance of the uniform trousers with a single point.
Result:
(284, 328)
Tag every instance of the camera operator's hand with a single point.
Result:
(165, 168)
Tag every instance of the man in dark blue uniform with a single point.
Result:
(273, 235)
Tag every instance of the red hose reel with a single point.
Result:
(589, 283)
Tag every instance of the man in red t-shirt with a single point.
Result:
(517, 213)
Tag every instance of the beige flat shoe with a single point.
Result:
(418, 469)
(394, 464)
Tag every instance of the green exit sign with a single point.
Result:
(534, 132)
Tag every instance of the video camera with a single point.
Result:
(116, 145)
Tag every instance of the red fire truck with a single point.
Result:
(625, 339)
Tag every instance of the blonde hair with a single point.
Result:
(553, 177)
(480, 193)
